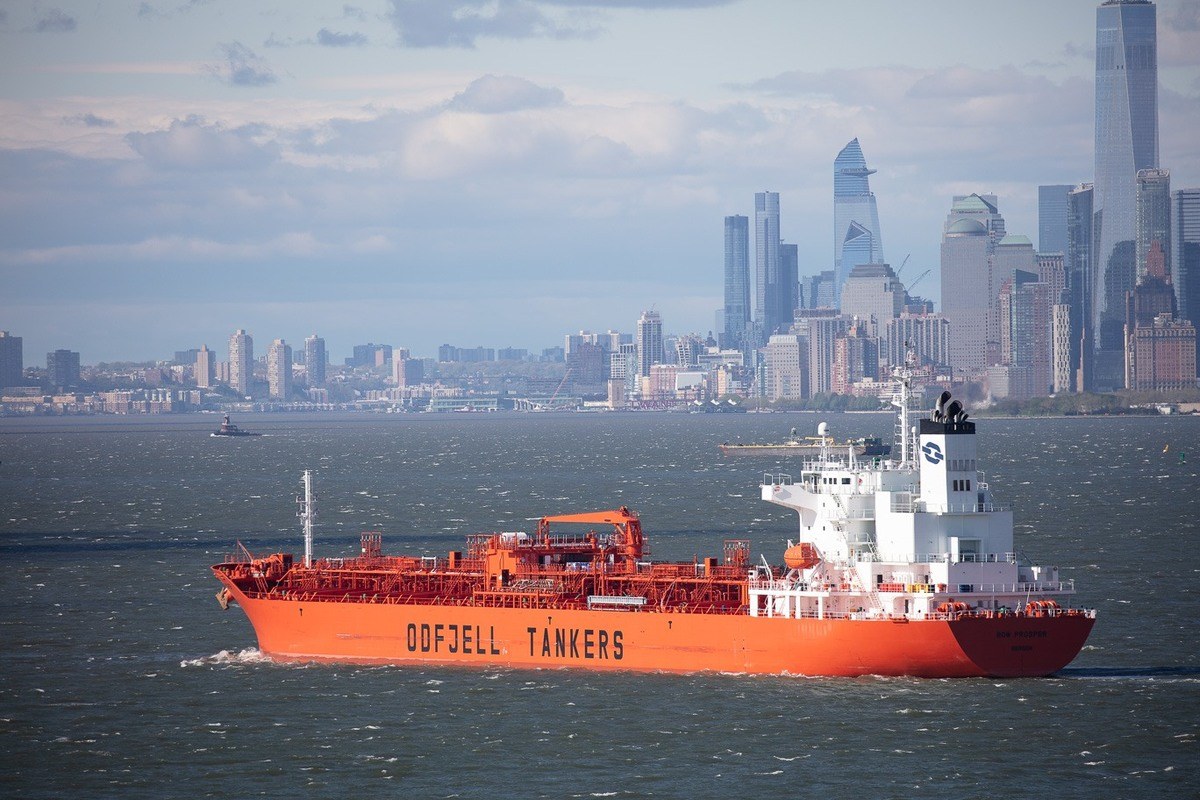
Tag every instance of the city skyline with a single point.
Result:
(466, 176)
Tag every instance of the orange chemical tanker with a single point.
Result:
(902, 567)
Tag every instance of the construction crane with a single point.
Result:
(918, 279)
(561, 383)
(902, 263)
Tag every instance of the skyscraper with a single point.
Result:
(1080, 244)
(1126, 141)
(279, 369)
(62, 369)
(737, 281)
(973, 227)
(241, 361)
(875, 295)
(1026, 332)
(12, 360)
(766, 260)
(1160, 350)
(314, 360)
(856, 237)
(788, 296)
(785, 378)
(649, 341)
(1185, 252)
(925, 334)
(1153, 215)
(823, 333)
(204, 367)
(406, 371)
(819, 290)
(1052, 218)
(1061, 367)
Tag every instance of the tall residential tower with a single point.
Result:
(737, 281)
(314, 360)
(241, 361)
(12, 360)
(649, 341)
(204, 369)
(279, 369)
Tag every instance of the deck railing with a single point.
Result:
(823, 588)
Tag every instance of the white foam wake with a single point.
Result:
(251, 655)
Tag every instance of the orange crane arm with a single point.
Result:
(624, 521)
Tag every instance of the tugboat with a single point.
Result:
(229, 429)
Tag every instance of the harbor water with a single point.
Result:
(120, 675)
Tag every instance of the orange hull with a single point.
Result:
(1012, 646)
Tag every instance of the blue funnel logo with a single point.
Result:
(933, 453)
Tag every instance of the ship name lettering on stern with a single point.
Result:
(449, 638)
(588, 643)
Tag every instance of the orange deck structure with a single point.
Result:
(579, 593)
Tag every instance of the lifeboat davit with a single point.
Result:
(801, 556)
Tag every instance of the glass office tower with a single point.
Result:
(767, 282)
(1126, 141)
(856, 238)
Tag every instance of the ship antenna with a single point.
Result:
(903, 377)
(307, 513)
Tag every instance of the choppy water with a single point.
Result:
(121, 677)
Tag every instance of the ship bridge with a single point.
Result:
(925, 522)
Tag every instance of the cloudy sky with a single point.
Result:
(501, 172)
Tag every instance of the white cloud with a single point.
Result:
(170, 249)
(494, 94)
(461, 23)
(55, 21)
(241, 67)
(192, 144)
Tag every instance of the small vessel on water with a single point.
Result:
(902, 566)
(810, 445)
(229, 429)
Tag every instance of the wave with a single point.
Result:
(1129, 672)
(251, 655)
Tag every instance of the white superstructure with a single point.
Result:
(917, 536)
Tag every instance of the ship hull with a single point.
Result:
(366, 632)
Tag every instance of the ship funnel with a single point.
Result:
(939, 409)
(953, 410)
